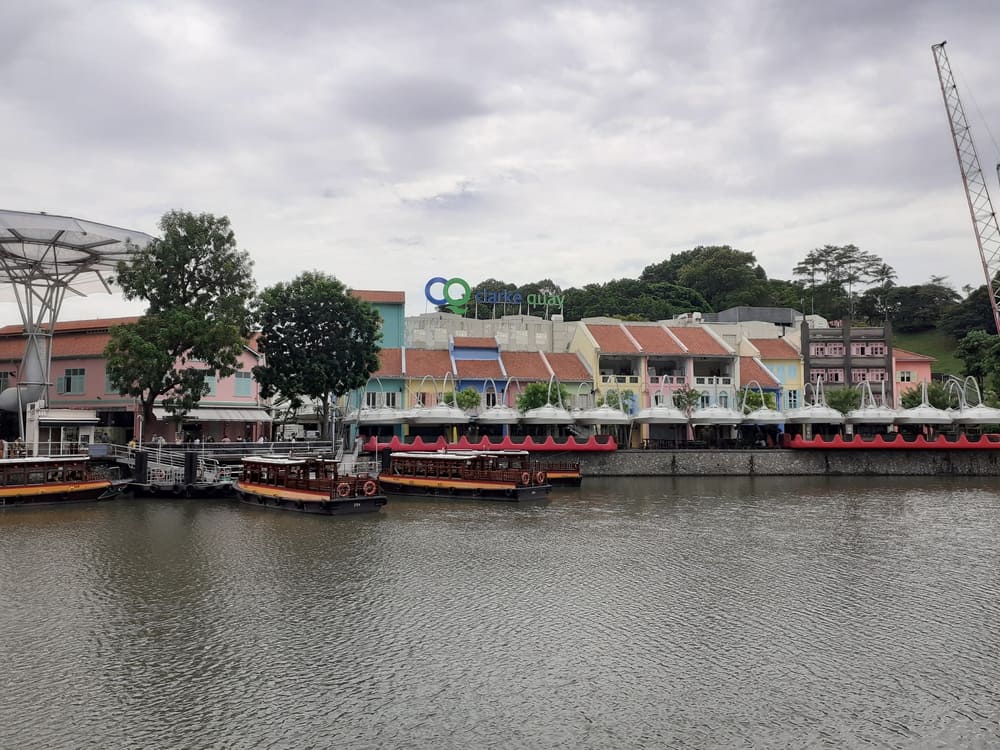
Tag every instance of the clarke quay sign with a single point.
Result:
(455, 294)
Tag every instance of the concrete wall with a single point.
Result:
(775, 462)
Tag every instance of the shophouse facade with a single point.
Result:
(910, 370)
(233, 407)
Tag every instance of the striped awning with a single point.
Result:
(220, 414)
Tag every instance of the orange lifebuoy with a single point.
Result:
(540, 477)
(369, 487)
(343, 489)
(526, 477)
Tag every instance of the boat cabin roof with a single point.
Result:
(74, 458)
(279, 460)
(456, 455)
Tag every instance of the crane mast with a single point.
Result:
(984, 219)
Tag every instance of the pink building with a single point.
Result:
(910, 370)
(233, 407)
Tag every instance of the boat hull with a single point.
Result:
(462, 490)
(58, 494)
(307, 502)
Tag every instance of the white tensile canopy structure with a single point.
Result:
(869, 411)
(43, 258)
(970, 414)
(499, 413)
(924, 413)
(549, 414)
(765, 415)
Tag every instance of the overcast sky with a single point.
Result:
(389, 142)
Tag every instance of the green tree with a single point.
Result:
(319, 341)
(974, 313)
(724, 276)
(920, 307)
(198, 286)
(687, 399)
(938, 396)
(750, 399)
(536, 395)
(980, 355)
(843, 399)
(467, 398)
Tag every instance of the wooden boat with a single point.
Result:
(308, 484)
(562, 472)
(44, 480)
(477, 475)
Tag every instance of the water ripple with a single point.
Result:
(655, 613)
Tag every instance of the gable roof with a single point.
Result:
(374, 296)
(751, 369)
(568, 366)
(700, 342)
(655, 339)
(775, 349)
(390, 363)
(898, 353)
(479, 368)
(435, 363)
(525, 366)
(612, 339)
(472, 342)
(92, 324)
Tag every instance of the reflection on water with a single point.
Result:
(677, 612)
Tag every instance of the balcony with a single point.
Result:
(619, 380)
(713, 380)
(674, 380)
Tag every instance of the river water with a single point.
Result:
(629, 613)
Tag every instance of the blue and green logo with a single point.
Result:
(457, 304)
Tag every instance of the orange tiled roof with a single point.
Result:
(751, 370)
(568, 366)
(698, 341)
(95, 324)
(390, 363)
(612, 339)
(370, 295)
(898, 353)
(479, 368)
(655, 340)
(471, 342)
(775, 349)
(435, 363)
(525, 366)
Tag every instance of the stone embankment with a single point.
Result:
(780, 462)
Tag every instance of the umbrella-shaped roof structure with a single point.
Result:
(970, 414)
(715, 414)
(549, 413)
(603, 415)
(869, 411)
(924, 413)
(44, 257)
(765, 414)
(499, 413)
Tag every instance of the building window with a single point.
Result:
(724, 400)
(71, 382)
(108, 387)
(836, 350)
(817, 350)
(371, 399)
(705, 401)
(876, 376)
(876, 350)
(243, 385)
(389, 399)
(210, 382)
(905, 376)
(857, 376)
(835, 376)
(792, 399)
(420, 398)
(819, 376)
(490, 399)
(5, 378)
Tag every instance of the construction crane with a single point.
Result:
(984, 219)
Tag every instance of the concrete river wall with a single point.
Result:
(781, 462)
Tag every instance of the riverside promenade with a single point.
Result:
(785, 462)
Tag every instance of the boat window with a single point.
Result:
(36, 477)
(15, 477)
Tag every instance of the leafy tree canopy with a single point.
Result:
(843, 399)
(467, 398)
(687, 399)
(537, 395)
(198, 285)
(974, 313)
(319, 341)
(938, 396)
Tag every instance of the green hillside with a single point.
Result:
(935, 344)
